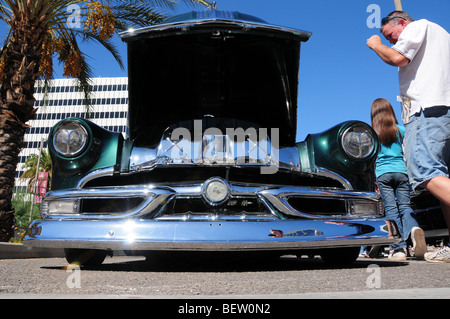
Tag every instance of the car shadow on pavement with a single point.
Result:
(171, 262)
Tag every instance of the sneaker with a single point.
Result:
(375, 251)
(418, 240)
(397, 255)
(441, 255)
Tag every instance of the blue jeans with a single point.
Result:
(427, 145)
(394, 190)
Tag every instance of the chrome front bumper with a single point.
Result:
(148, 226)
(206, 235)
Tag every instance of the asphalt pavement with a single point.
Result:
(290, 277)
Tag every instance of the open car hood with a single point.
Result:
(212, 64)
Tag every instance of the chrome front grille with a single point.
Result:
(236, 208)
(186, 202)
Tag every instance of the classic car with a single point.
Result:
(210, 162)
(428, 213)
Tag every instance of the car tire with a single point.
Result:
(85, 257)
(340, 256)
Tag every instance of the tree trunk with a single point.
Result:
(22, 59)
(11, 138)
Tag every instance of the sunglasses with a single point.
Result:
(385, 20)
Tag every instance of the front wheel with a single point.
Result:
(340, 256)
(85, 257)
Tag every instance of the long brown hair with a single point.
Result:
(384, 121)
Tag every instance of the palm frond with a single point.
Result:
(164, 4)
(106, 43)
(31, 164)
(5, 42)
(198, 2)
(136, 15)
(54, 15)
(84, 73)
(5, 13)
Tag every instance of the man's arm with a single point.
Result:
(387, 54)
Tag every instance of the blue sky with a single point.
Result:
(339, 75)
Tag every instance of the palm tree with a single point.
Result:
(39, 30)
(31, 165)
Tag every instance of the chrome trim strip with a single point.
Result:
(279, 198)
(109, 171)
(228, 246)
(428, 209)
(184, 26)
(216, 217)
(330, 174)
(153, 198)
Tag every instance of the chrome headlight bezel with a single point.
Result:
(358, 141)
(70, 139)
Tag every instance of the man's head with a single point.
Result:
(394, 24)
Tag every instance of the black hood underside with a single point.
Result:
(212, 70)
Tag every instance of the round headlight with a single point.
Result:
(70, 139)
(215, 191)
(358, 141)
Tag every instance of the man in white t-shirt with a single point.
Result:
(421, 51)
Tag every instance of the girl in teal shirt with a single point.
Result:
(392, 180)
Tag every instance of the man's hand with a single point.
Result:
(374, 41)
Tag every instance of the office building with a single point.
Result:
(109, 109)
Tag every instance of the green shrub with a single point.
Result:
(22, 205)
